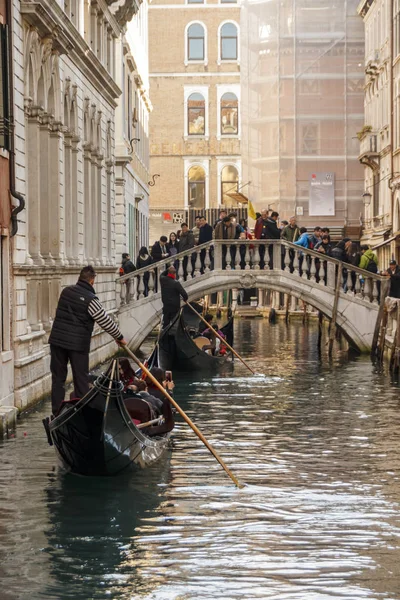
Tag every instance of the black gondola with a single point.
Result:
(96, 435)
(178, 350)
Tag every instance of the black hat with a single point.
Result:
(393, 262)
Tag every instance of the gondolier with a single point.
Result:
(77, 311)
(171, 294)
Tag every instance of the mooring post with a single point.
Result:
(384, 291)
(332, 330)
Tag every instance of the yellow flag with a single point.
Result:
(251, 212)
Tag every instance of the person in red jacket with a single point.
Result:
(260, 223)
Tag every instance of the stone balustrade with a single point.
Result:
(253, 255)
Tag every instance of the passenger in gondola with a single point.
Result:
(126, 373)
(159, 375)
(171, 294)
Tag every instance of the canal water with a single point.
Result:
(316, 445)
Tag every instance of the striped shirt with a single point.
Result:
(98, 314)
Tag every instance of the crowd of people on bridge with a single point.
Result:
(267, 227)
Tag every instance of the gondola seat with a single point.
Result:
(139, 410)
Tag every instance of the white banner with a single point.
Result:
(322, 195)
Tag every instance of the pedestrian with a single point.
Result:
(261, 225)
(324, 245)
(171, 294)
(238, 228)
(291, 232)
(394, 273)
(173, 244)
(205, 235)
(314, 238)
(303, 238)
(222, 214)
(186, 242)
(339, 251)
(225, 230)
(127, 265)
(144, 260)
(196, 230)
(77, 311)
(368, 260)
(159, 250)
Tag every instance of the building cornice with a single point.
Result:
(50, 21)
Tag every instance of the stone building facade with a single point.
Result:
(302, 106)
(195, 150)
(66, 90)
(380, 134)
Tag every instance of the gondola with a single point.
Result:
(177, 350)
(95, 436)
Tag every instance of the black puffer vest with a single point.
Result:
(73, 326)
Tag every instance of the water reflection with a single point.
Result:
(316, 444)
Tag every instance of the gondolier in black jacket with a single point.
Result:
(171, 293)
(77, 311)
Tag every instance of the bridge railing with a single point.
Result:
(253, 255)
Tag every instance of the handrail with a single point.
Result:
(164, 261)
(236, 242)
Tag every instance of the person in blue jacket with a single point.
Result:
(303, 239)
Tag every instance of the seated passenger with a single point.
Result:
(156, 403)
(126, 373)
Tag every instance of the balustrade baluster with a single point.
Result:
(180, 269)
(151, 282)
(368, 288)
(197, 265)
(237, 257)
(266, 257)
(375, 293)
(313, 269)
(256, 258)
(247, 258)
(122, 292)
(287, 259)
(296, 263)
(357, 287)
(305, 266)
(134, 288)
(141, 286)
(322, 272)
(207, 261)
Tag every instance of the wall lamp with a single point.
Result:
(366, 198)
(133, 141)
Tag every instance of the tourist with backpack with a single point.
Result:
(369, 260)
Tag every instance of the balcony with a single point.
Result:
(369, 154)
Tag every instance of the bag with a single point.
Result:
(372, 267)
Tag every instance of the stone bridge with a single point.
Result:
(349, 294)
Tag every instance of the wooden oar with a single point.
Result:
(221, 338)
(184, 415)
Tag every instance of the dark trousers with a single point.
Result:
(168, 316)
(59, 368)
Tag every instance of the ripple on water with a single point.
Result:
(316, 445)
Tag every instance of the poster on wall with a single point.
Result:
(322, 195)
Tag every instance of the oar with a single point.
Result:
(184, 415)
(221, 338)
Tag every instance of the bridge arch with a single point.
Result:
(355, 316)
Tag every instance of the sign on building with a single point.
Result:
(322, 194)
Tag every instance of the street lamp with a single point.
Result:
(366, 198)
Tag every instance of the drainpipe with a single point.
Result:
(391, 49)
(13, 192)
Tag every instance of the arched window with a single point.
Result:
(196, 114)
(197, 187)
(229, 183)
(229, 114)
(229, 42)
(195, 42)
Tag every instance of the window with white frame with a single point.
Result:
(196, 42)
(229, 42)
(196, 187)
(229, 114)
(196, 114)
(229, 183)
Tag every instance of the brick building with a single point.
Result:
(195, 127)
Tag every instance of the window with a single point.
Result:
(309, 139)
(195, 42)
(196, 115)
(228, 1)
(229, 183)
(229, 42)
(197, 187)
(195, 1)
(229, 114)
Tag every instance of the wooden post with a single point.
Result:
(384, 291)
(332, 330)
(382, 335)
(288, 300)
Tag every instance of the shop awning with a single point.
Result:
(238, 197)
(388, 241)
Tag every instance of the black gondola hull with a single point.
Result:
(96, 437)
